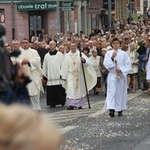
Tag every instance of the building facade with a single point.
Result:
(24, 18)
(140, 6)
(121, 10)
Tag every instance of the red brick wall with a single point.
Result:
(8, 22)
(21, 24)
(52, 22)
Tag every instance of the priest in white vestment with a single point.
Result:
(148, 70)
(31, 62)
(74, 83)
(118, 64)
(52, 64)
(148, 63)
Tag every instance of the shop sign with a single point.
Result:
(36, 6)
(66, 5)
(93, 9)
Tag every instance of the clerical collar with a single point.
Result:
(53, 52)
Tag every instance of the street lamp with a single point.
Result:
(58, 18)
(12, 20)
(109, 15)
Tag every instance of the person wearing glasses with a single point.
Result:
(118, 63)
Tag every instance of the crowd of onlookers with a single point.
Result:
(32, 130)
(134, 38)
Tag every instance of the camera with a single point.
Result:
(8, 70)
(12, 83)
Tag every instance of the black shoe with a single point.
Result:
(63, 104)
(80, 107)
(52, 106)
(70, 108)
(120, 114)
(95, 93)
(111, 112)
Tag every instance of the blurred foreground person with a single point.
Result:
(27, 130)
(72, 73)
(118, 64)
(13, 78)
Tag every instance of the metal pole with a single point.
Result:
(58, 19)
(67, 21)
(35, 26)
(12, 20)
(109, 15)
(130, 11)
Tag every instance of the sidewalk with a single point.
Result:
(130, 132)
(144, 144)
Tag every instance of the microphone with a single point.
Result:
(15, 53)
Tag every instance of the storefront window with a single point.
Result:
(94, 20)
(35, 24)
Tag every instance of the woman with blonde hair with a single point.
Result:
(23, 129)
(135, 62)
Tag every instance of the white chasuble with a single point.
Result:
(73, 73)
(117, 88)
(34, 70)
